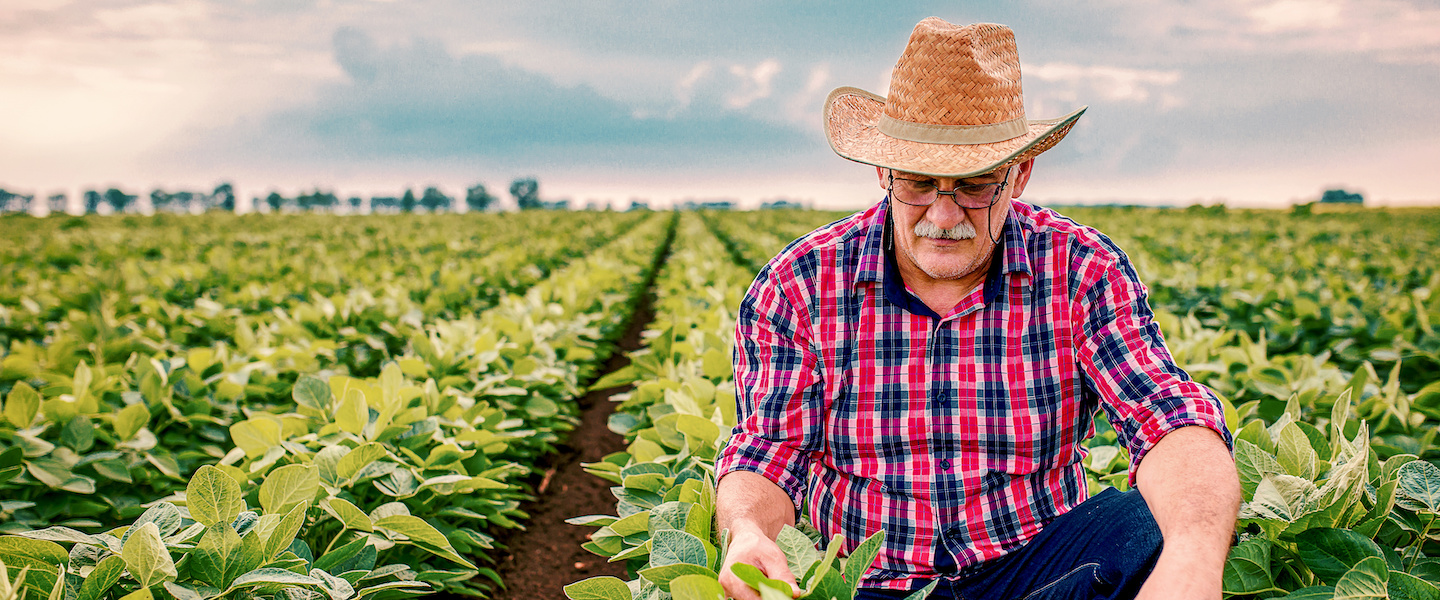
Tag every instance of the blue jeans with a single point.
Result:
(1104, 548)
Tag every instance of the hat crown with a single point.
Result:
(957, 75)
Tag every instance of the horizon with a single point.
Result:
(1249, 102)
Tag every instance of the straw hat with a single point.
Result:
(955, 107)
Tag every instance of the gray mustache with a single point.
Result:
(926, 229)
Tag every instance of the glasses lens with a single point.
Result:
(913, 192)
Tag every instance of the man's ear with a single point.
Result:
(880, 173)
(1022, 178)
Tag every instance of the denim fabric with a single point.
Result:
(1102, 549)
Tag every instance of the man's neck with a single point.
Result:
(942, 295)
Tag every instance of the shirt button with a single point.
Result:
(944, 464)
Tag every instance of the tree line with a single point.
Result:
(525, 191)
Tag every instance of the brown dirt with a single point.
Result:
(546, 556)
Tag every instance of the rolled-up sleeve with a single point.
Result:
(778, 387)
(1143, 392)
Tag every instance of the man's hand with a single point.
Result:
(1190, 484)
(750, 546)
(754, 509)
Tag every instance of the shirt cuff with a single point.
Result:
(782, 464)
(1157, 428)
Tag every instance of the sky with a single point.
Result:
(1249, 102)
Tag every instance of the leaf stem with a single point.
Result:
(1420, 543)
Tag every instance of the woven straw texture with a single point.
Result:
(948, 75)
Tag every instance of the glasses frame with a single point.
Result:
(954, 193)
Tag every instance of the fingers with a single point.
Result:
(761, 553)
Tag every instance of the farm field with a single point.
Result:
(308, 405)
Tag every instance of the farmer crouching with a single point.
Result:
(931, 367)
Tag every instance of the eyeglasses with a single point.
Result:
(924, 192)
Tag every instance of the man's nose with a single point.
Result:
(944, 212)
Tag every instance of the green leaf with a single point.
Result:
(164, 515)
(146, 556)
(861, 559)
(311, 392)
(359, 458)
(1319, 592)
(1247, 570)
(256, 436)
(598, 588)
(284, 533)
(1366, 581)
(697, 587)
(140, 594)
(130, 419)
(623, 376)
(799, 551)
(1253, 463)
(100, 580)
(424, 535)
(756, 579)
(716, 364)
(1331, 552)
(63, 534)
(21, 405)
(289, 486)
(1295, 453)
(1404, 586)
(662, 576)
(349, 514)
(213, 496)
(672, 546)
(351, 555)
(43, 557)
(337, 588)
(79, 434)
(271, 575)
(352, 413)
(1419, 488)
(220, 556)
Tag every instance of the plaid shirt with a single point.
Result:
(960, 436)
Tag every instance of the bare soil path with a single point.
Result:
(546, 556)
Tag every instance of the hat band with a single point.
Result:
(953, 134)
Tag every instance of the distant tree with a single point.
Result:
(275, 200)
(526, 192)
(92, 202)
(1342, 197)
(383, 203)
(159, 199)
(12, 202)
(224, 196)
(118, 199)
(182, 201)
(355, 203)
(433, 199)
(407, 203)
(477, 198)
(317, 199)
(58, 203)
(6, 198)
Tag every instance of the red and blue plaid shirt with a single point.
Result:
(960, 436)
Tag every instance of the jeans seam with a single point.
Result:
(1061, 578)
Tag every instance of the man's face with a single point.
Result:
(942, 241)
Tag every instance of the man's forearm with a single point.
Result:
(745, 499)
(1190, 484)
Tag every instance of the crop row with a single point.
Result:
(415, 466)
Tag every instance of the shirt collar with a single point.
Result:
(878, 265)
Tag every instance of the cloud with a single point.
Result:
(1117, 84)
(754, 83)
(416, 100)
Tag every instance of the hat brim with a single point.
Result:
(851, 116)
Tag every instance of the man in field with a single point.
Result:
(931, 367)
